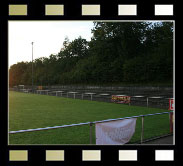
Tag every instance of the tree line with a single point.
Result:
(118, 52)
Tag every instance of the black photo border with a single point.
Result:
(73, 153)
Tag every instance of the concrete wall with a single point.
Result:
(125, 90)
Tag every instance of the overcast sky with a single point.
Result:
(48, 37)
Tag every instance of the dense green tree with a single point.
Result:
(131, 52)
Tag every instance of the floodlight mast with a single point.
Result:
(32, 68)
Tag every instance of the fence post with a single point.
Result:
(142, 130)
(147, 102)
(171, 121)
(90, 132)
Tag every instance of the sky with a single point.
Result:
(48, 37)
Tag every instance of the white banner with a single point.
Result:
(115, 132)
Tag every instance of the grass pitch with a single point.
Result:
(29, 111)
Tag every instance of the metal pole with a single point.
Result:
(142, 130)
(91, 133)
(147, 102)
(32, 67)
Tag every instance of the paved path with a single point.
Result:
(164, 140)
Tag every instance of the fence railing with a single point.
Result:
(147, 101)
(91, 124)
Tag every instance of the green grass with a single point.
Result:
(29, 111)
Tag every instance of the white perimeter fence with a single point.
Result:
(139, 100)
